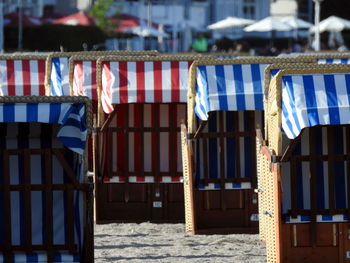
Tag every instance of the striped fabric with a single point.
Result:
(302, 171)
(229, 87)
(143, 82)
(309, 100)
(333, 61)
(84, 79)
(39, 136)
(161, 115)
(71, 116)
(217, 186)
(232, 155)
(22, 77)
(41, 257)
(59, 80)
(319, 218)
(142, 179)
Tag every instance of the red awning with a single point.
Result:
(77, 19)
(127, 21)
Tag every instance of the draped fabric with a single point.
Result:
(229, 87)
(310, 100)
(59, 77)
(84, 79)
(71, 116)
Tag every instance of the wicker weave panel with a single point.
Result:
(271, 198)
(187, 181)
(261, 178)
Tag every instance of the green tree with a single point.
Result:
(105, 14)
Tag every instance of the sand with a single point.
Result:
(147, 242)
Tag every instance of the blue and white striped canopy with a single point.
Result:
(314, 99)
(229, 87)
(59, 81)
(71, 116)
(333, 61)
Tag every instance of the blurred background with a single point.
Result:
(251, 27)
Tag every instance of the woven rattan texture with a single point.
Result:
(189, 224)
(327, 55)
(261, 186)
(269, 196)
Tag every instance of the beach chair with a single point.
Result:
(304, 165)
(140, 168)
(22, 75)
(46, 212)
(82, 78)
(57, 68)
(329, 57)
(219, 150)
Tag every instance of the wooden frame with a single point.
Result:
(311, 241)
(152, 192)
(48, 188)
(247, 196)
(47, 153)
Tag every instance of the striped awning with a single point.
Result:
(59, 77)
(143, 82)
(229, 87)
(22, 77)
(71, 116)
(84, 78)
(333, 61)
(314, 99)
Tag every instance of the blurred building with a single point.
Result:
(284, 8)
(29, 7)
(177, 13)
(39, 8)
(306, 10)
(250, 9)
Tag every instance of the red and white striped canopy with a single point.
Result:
(22, 77)
(84, 79)
(143, 82)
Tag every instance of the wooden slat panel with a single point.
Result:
(253, 157)
(126, 138)
(294, 186)
(313, 186)
(27, 201)
(7, 203)
(49, 205)
(331, 164)
(142, 142)
(205, 160)
(156, 145)
(172, 139)
(222, 161)
(70, 218)
(66, 167)
(237, 144)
